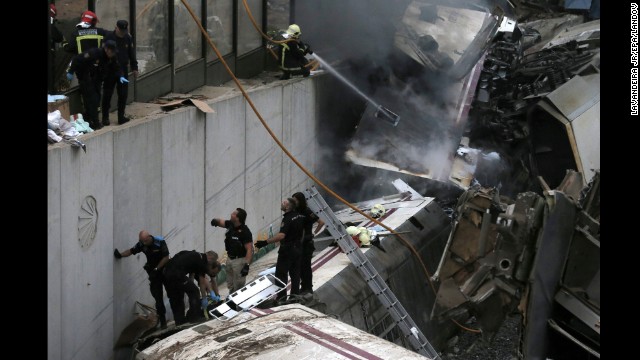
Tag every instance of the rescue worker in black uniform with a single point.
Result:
(56, 37)
(292, 54)
(126, 55)
(306, 275)
(86, 35)
(91, 67)
(290, 238)
(238, 242)
(178, 282)
(157, 253)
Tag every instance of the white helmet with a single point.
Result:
(352, 230)
(364, 237)
(294, 30)
(377, 211)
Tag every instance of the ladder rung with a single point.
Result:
(368, 272)
(382, 292)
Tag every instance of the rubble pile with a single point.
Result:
(511, 83)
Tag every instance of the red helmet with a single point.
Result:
(89, 17)
(52, 10)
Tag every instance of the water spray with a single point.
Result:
(381, 112)
(387, 115)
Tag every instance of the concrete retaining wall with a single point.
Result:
(170, 175)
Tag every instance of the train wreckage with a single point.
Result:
(536, 256)
(521, 241)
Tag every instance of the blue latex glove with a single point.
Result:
(69, 76)
(213, 296)
(123, 80)
(204, 302)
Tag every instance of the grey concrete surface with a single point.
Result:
(168, 173)
(137, 180)
(183, 179)
(54, 278)
(263, 190)
(225, 168)
(299, 132)
(86, 281)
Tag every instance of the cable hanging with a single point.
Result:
(286, 151)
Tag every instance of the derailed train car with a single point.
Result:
(339, 292)
(535, 256)
(285, 332)
(436, 65)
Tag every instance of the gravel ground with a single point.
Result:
(470, 346)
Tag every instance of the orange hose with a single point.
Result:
(286, 151)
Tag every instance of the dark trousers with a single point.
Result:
(294, 67)
(51, 78)
(288, 265)
(90, 91)
(306, 275)
(156, 281)
(286, 74)
(111, 82)
(177, 285)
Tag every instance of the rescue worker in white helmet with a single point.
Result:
(292, 53)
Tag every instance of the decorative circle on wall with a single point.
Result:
(87, 221)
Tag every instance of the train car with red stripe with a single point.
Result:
(284, 332)
(342, 305)
(405, 261)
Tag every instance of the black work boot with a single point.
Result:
(285, 76)
(195, 315)
(123, 120)
(105, 119)
(162, 321)
(121, 117)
